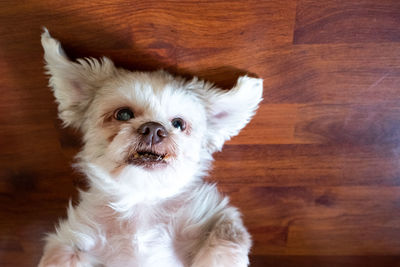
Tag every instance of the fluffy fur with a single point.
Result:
(136, 213)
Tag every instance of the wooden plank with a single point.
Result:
(338, 21)
(326, 261)
(322, 123)
(307, 165)
(327, 220)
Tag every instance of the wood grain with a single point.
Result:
(316, 172)
(338, 21)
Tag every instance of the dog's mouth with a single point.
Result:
(147, 158)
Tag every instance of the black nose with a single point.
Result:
(152, 132)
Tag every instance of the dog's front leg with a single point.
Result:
(58, 254)
(227, 244)
(69, 246)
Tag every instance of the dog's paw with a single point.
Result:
(65, 259)
(224, 255)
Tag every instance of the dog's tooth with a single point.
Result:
(150, 156)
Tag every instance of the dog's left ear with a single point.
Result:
(74, 84)
(228, 111)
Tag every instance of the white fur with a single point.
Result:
(131, 215)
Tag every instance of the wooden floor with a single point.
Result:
(316, 173)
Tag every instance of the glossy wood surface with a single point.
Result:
(316, 173)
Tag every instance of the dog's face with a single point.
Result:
(151, 124)
(147, 121)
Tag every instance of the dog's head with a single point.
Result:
(146, 123)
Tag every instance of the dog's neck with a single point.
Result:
(134, 186)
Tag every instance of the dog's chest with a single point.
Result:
(144, 240)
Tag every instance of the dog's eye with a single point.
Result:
(179, 123)
(123, 114)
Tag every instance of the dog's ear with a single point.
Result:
(73, 83)
(228, 111)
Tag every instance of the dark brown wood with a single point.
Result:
(326, 261)
(316, 173)
(340, 21)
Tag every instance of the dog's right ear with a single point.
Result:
(73, 83)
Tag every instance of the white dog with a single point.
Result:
(148, 140)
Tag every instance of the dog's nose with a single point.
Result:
(152, 132)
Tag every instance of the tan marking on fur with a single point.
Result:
(111, 137)
(117, 170)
